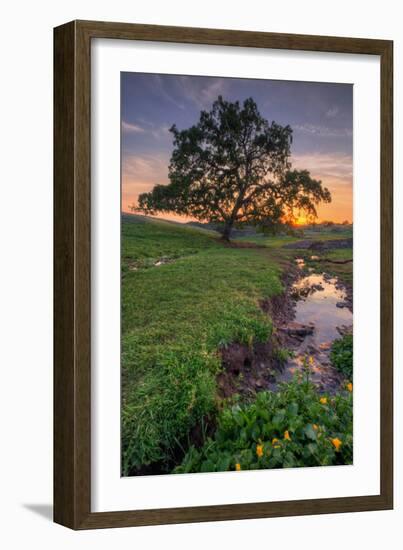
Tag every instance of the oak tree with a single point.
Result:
(233, 167)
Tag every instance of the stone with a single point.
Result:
(324, 346)
(317, 287)
(298, 329)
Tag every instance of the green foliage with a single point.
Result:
(341, 355)
(233, 167)
(283, 354)
(174, 318)
(295, 426)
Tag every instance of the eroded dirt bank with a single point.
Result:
(313, 310)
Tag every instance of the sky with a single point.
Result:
(321, 115)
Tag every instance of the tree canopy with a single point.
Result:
(233, 167)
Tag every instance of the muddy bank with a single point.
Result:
(308, 316)
(247, 370)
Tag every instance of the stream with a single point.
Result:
(322, 314)
(316, 310)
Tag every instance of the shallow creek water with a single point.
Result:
(317, 304)
(321, 304)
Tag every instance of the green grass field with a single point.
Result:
(269, 241)
(184, 295)
(174, 318)
(325, 234)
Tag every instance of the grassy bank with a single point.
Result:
(344, 271)
(184, 295)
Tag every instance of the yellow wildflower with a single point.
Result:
(311, 361)
(323, 400)
(349, 386)
(315, 427)
(259, 450)
(238, 467)
(336, 443)
(276, 443)
(287, 435)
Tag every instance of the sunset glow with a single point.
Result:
(301, 221)
(320, 115)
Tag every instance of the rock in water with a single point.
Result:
(298, 329)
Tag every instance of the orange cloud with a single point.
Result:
(336, 173)
(141, 172)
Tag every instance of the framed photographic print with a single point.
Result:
(223, 275)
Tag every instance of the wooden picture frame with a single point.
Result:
(72, 269)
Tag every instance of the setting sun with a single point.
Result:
(301, 220)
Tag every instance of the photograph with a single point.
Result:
(236, 274)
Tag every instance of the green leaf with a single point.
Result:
(310, 432)
(256, 432)
(292, 409)
(278, 419)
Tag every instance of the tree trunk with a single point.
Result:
(227, 231)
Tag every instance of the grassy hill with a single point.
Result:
(184, 294)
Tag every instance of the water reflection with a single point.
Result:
(319, 303)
